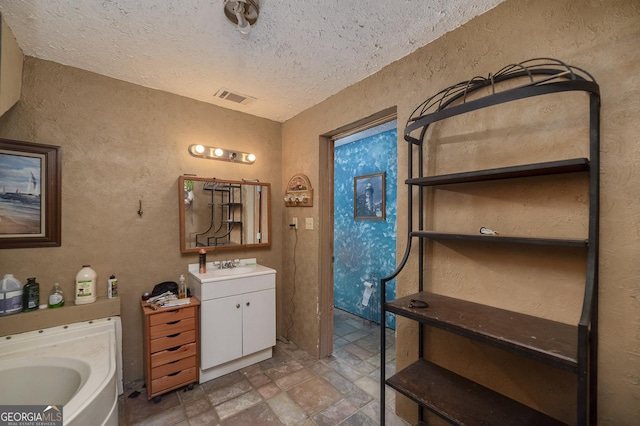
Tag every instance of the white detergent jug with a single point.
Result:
(10, 295)
(85, 285)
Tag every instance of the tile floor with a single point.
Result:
(291, 388)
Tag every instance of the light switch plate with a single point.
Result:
(308, 224)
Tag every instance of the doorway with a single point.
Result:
(364, 226)
(326, 261)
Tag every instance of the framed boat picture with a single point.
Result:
(30, 194)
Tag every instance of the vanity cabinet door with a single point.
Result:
(259, 321)
(221, 330)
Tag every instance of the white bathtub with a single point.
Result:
(77, 366)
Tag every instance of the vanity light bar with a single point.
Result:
(213, 153)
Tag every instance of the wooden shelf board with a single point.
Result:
(547, 341)
(527, 170)
(460, 400)
(502, 239)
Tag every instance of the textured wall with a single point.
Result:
(601, 37)
(122, 143)
(364, 250)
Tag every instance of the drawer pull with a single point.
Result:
(174, 335)
(174, 348)
(248, 303)
(173, 322)
(174, 374)
(238, 306)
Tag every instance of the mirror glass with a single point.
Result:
(218, 214)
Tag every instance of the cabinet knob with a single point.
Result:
(248, 303)
(238, 306)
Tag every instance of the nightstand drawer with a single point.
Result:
(172, 341)
(173, 327)
(173, 354)
(177, 379)
(172, 315)
(173, 367)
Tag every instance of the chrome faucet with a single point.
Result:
(227, 264)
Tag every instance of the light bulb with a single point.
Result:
(199, 149)
(218, 152)
(251, 157)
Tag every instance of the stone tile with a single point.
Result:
(314, 395)
(168, 417)
(238, 404)
(269, 390)
(197, 407)
(260, 414)
(251, 370)
(294, 378)
(221, 382)
(287, 411)
(358, 351)
(140, 408)
(372, 410)
(335, 413)
(259, 380)
(354, 394)
(283, 370)
(190, 395)
(370, 386)
(208, 418)
(221, 395)
(345, 370)
(359, 419)
(319, 368)
(342, 328)
(358, 334)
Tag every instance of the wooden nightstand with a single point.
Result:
(170, 347)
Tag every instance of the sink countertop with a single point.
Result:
(213, 274)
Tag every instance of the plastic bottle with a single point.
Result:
(10, 295)
(31, 295)
(182, 291)
(203, 261)
(85, 285)
(56, 297)
(112, 289)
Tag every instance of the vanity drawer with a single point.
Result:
(173, 327)
(173, 354)
(176, 314)
(173, 367)
(174, 380)
(172, 341)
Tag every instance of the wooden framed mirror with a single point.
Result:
(217, 214)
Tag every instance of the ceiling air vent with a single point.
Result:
(228, 95)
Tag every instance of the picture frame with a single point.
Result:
(30, 194)
(369, 197)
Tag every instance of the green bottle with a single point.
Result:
(30, 295)
(56, 297)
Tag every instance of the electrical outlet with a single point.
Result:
(308, 224)
(294, 221)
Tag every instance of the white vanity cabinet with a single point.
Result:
(237, 317)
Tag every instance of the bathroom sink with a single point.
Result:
(232, 271)
(215, 274)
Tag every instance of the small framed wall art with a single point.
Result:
(369, 197)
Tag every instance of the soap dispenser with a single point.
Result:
(56, 297)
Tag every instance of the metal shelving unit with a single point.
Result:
(568, 347)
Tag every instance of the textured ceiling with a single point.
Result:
(298, 53)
